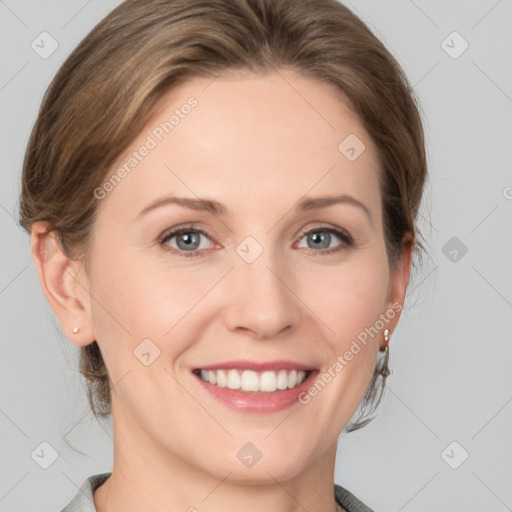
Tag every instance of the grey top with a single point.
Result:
(84, 502)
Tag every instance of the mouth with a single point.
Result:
(251, 381)
(256, 387)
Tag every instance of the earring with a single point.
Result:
(75, 330)
(385, 371)
(386, 339)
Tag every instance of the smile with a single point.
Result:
(251, 381)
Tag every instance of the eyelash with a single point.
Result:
(341, 234)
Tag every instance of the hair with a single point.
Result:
(109, 86)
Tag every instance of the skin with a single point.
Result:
(256, 145)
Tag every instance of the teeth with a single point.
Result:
(268, 382)
(292, 379)
(233, 379)
(282, 380)
(222, 380)
(248, 380)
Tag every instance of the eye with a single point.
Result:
(319, 240)
(188, 240)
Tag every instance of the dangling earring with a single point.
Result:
(75, 330)
(384, 370)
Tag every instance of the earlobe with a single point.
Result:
(59, 278)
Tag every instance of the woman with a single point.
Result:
(188, 159)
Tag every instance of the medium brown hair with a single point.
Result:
(109, 86)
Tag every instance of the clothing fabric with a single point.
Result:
(83, 501)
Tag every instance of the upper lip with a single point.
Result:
(257, 366)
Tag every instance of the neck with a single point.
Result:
(146, 476)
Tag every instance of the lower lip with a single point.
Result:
(258, 402)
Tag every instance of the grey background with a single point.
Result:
(451, 353)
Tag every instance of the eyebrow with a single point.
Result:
(217, 208)
(324, 202)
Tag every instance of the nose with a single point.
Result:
(262, 303)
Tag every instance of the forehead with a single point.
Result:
(248, 140)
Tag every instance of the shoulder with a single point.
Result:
(348, 501)
(83, 500)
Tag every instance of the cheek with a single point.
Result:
(350, 305)
(136, 298)
(349, 298)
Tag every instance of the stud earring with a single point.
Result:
(386, 339)
(75, 330)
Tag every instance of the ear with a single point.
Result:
(398, 287)
(64, 284)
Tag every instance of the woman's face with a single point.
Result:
(268, 277)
